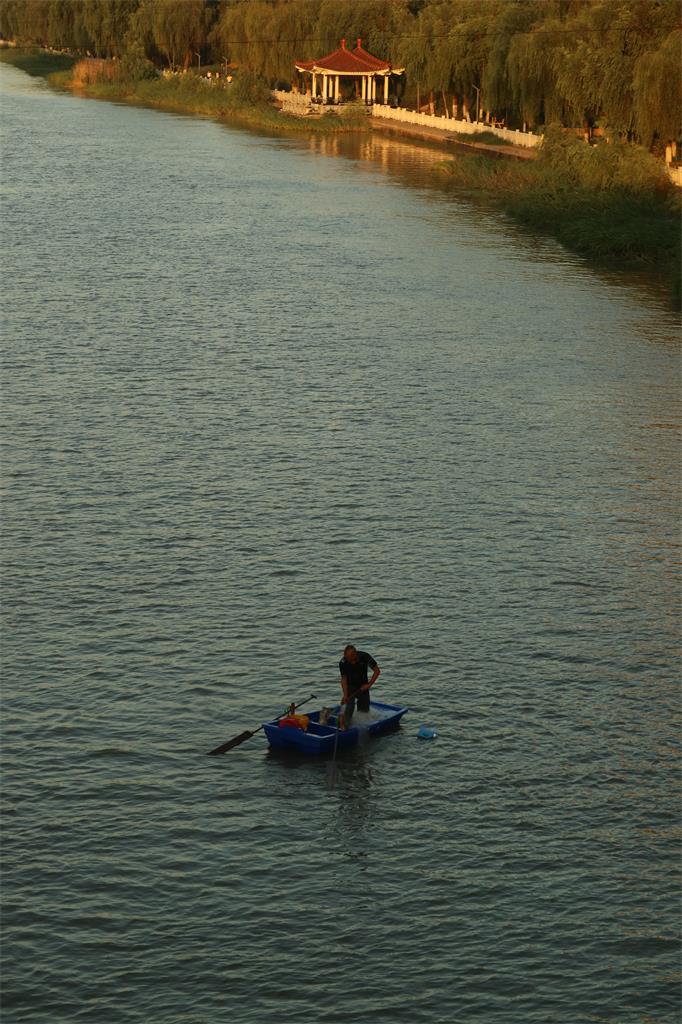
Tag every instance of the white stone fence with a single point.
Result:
(292, 102)
(451, 124)
(300, 103)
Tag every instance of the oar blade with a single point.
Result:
(232, 743)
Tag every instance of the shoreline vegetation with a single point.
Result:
(246, 103)
(612, 204)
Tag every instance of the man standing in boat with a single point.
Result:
(353, 668)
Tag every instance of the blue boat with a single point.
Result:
(320, 739)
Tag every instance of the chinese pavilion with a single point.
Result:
(347, 74)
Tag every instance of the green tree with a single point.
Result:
(106, 24)
(657, 88)
(174, 29)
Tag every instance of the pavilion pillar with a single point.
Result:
(336, 89)
(313, 86)
(362, 87)
(385, 90)
(324, 88)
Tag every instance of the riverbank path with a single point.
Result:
(446, 139)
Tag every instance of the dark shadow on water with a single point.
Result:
(348, 786)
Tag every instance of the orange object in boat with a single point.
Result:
(295, 722)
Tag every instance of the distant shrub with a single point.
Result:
(490, 174)
(567, 161)
(135, 67)
(93, 71)
(248, 88)
(613, 203)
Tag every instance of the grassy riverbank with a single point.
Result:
(481, 139)
(244, 102)
(612, 204)
(188, 95)
(39, 63)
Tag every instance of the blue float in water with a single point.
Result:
(425, 733)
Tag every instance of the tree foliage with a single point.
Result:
(575, 62)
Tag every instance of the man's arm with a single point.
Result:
(344, 687)
(375, 675)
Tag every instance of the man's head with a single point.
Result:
(350, 653)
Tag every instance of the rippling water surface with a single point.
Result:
(262, 397)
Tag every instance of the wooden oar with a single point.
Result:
(247, 734)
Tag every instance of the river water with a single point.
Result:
(262, 397)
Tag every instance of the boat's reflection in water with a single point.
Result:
(345, 800)
(351, 765)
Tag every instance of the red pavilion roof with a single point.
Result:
(371, 61)
(348, 62)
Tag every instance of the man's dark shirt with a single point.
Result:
(357, 674)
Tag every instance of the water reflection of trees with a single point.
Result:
(408, 160)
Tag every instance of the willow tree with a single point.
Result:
(530, 70)
(26, 23)
(436, 71)
(334, 21)
(262, 37)
(382, 24)
(65, 26)
(376, 22)
(266, 38)
(413, 53)
(512, 19)
(466, 47)
(657, 88)
(296, 28)
(615, 68)
(607, 53)
(106, 25)
(227, 30)
(176, 28)
(261, 47)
